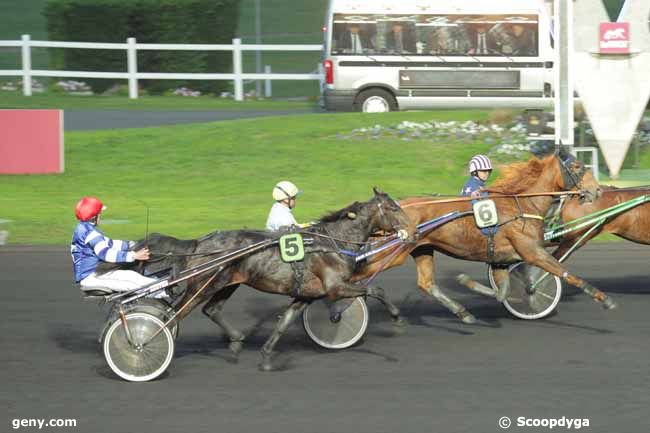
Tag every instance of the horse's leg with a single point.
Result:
(425, 266)
(287, 318)
(189, 301)
(535, 255)
(501, 277)
(379, 294)
(213, 309)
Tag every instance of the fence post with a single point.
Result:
(595, 164)
(27, 66)
(321, 79)
(132, 67)
(267, 82)
(237, 69)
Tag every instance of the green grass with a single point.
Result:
(62, 101)
(199, 178)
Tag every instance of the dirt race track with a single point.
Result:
(434, 375)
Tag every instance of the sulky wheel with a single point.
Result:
(138, 360)
(525, 302)
(333, 330)
(157, 307)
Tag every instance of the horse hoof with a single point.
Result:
(399, 321)
(266, 365)
(463, 279)
(609, 304)
(236, 347)
(467, 317)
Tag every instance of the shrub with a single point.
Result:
(149, 21)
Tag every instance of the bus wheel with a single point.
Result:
(376, 101)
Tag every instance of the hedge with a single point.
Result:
(149, 21)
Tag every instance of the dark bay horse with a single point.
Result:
(520, 234)
(324, 272)
(633, 225)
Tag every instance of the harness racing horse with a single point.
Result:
(523, 195)
(324, 272)
(633, 225)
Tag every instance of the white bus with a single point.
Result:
(386, 55)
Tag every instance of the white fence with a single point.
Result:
(132, 74)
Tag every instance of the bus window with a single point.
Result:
(441, 35)
(514, 39)
(501, 35)
(398, 37)
(353, 36)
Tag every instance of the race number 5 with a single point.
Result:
(485, 213)
(292, 248)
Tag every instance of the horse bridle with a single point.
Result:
(568, 177)
(401, 233)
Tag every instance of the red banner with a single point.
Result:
(31, 141)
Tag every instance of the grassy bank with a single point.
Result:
(198, 178)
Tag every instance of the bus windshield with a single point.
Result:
(437, 35)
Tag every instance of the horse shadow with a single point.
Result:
(74, 340)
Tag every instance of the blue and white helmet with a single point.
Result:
(479, 162)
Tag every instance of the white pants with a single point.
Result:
(118, 280)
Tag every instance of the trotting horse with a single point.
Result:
(325, 271)
(633, 225)
(523, 195)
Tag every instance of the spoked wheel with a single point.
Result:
(157, 307)
(139, 360)
(524, 301)
(335, 331)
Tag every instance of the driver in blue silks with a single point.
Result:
(480, 168)
(89, 246)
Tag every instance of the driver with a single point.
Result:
(480, 168)
(284, 194)
(90, 246)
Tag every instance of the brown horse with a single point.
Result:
(633, 225)
(520, 233)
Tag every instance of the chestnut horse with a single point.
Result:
(633, 225)
(519, 236)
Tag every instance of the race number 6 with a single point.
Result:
(485, 213)
(292, 248)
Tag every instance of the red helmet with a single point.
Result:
(87, 208)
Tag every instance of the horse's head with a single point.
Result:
(574, 175)
(387, 215)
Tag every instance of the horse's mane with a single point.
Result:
(337, 215)
(520, 176)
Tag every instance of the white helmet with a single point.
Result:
(284, 190)
(479, 162)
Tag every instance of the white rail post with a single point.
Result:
(564, 116)
(132, 67)
(237, 69)
(27, 66)
(321, 79)
(267, 82)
